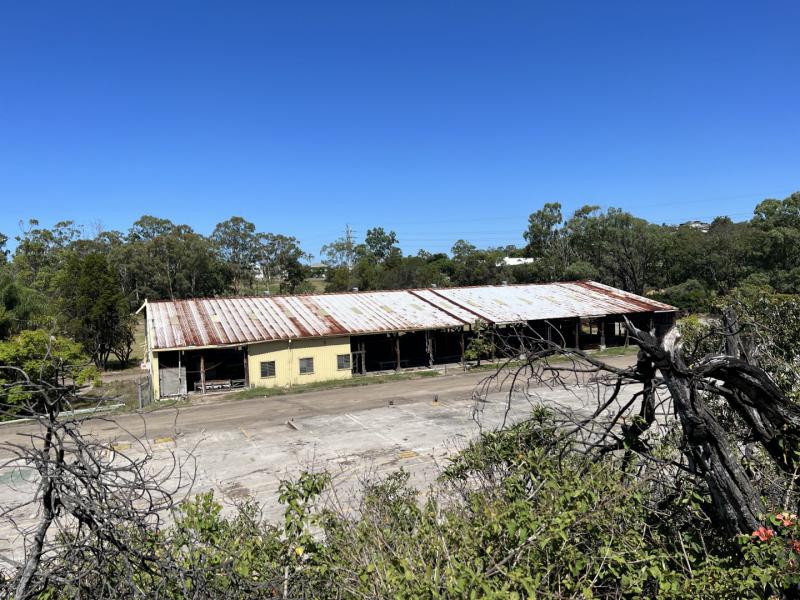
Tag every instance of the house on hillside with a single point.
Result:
(515, 261)
(222, 343)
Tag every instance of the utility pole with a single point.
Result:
(348, 236)
(349, 249)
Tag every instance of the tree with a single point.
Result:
(96, 313)
(691, 295)
(471, 266)
(159, 259)
(772, 213)
(20, 307)
(148, 228)
(341, 252)
(49, 359)
(481, 344)
(340, 257)
(280, 256)
(381, 246)
(550, 241)
(236, 242)
(97, 508)
(40, 252)
(543, 229)
(628, 252)
(738, 431)
(776, 241)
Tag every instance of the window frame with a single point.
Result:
(349, 366)
(274, 369)
(300, 365)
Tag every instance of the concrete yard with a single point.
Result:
(245, 448)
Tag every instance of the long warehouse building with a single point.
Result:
(223, 343)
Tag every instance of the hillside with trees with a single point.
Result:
(85, 286)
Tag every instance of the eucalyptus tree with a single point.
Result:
(237, 243)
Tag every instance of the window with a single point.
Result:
(306, 366)
(343, 362)
(267, 369)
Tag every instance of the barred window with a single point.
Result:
(306, 366)
(343, 362)
(267, 369)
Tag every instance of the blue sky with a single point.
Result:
(441, 120)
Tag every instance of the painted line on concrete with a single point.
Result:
(369, 429)
(67, 414)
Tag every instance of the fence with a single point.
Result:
(144, 391)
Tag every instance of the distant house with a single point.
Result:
(702, 226)
(221, 343)
(515, 261)
(318, 270)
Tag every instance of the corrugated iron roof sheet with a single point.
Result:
(514, 303)
(234, 321)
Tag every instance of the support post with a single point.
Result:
(463, 362)
(429, 348)
(246, 367)
(578, 334)
(363, 348)
(602, 334)
(202, 373)
(397, 350)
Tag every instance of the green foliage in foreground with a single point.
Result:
(48, 358)
(513, 516)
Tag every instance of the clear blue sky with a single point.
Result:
(440, 120)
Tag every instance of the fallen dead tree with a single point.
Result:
(726, 407)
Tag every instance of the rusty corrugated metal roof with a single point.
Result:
(233, 321)
(514, 303)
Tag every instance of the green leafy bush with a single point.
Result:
(516, 514)
(691, 295)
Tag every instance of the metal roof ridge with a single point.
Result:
(383, 291)
(461, 306)
(414, 293)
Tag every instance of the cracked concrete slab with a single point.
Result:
(244, 449)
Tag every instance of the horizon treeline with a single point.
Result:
(87, 286)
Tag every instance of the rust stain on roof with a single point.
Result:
(234, 321)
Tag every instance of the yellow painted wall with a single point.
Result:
(287, 355)
(154, 375)
(152, 358)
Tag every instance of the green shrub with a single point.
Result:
(691, 295)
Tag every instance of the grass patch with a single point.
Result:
(264, 392)
(137, 352)
(112, 392)
(617, 351)
(137, 349)
(493, 366)
(317, 283)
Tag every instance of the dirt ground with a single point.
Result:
(244, 448)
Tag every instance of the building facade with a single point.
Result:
(207, 344)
